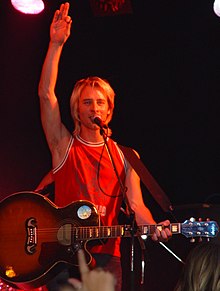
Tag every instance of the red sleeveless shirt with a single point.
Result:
(87, 173)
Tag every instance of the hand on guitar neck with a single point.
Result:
(162, 234)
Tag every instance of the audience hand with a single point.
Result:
(92, 280)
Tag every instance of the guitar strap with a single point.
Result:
(146, 177)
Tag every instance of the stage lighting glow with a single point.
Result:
(216, 7)
(28, 6)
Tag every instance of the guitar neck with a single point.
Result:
(102, 232)
(175, 228)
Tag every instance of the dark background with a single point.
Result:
(162, 59)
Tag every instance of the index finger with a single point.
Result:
(83, 267)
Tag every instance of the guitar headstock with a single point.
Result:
(192, 228)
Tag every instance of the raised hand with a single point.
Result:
(61, 25)
(92, 280)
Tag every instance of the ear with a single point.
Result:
(109, 111)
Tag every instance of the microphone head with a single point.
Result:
(97, 120)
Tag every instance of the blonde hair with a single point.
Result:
(94, 82)
(202, 269)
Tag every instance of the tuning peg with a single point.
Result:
(200, 239)
(192, 219)
(192, 240)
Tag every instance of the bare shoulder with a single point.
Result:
(137, 154)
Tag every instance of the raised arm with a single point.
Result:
(56, 134)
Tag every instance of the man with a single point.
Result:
(85, 167)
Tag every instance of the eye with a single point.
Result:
(101, 102)
(86, 102)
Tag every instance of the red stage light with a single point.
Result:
(28, 6)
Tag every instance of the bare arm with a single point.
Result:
(142, 213)
(56, 134)
(135, 198)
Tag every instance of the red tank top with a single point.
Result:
(86, 173)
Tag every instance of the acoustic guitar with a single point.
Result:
(37, 238)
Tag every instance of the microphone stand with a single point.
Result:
(132, 214)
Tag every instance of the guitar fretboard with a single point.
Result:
(175, 228)
(97, 232)
(93, 232)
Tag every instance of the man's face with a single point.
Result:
(92, 103)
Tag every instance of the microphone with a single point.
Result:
(97, 120)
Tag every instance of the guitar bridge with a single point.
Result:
(31, 241)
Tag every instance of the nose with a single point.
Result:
(94, 106)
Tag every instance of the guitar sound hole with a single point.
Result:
(84, 212)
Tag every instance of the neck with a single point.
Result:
(91, 135)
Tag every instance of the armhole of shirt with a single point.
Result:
(124, 161)
(55, 170)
